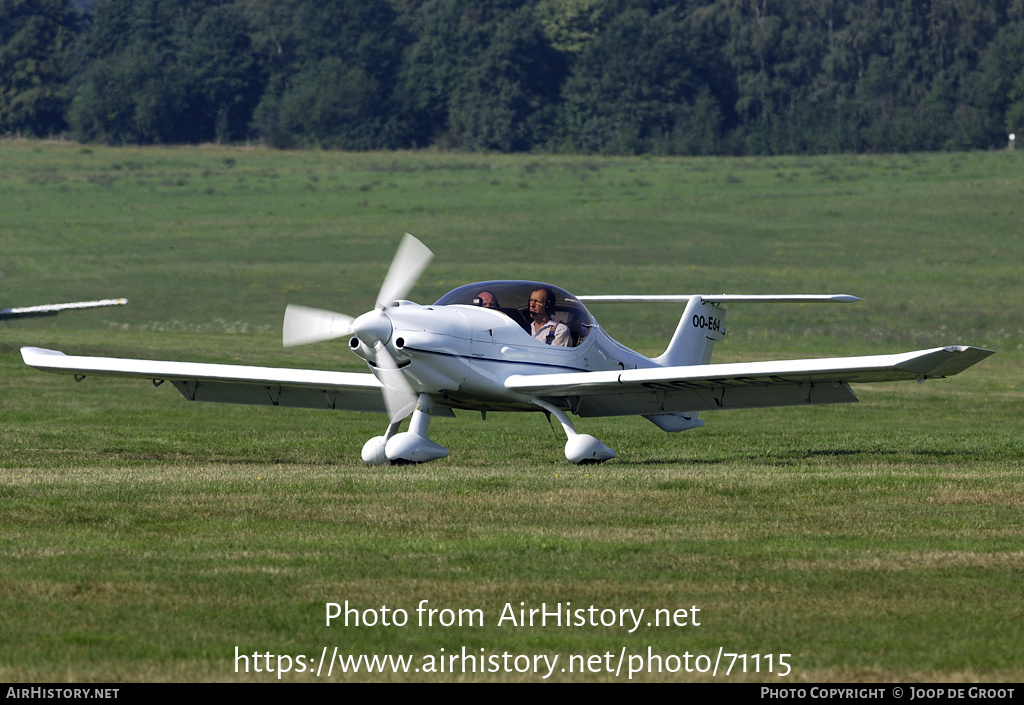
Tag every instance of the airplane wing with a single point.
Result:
(54, 309)
(235, 384)
(661, 390)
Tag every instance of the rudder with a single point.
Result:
(700, 326)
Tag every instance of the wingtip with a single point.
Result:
(945, 361)
(31, 354)
(975, 354)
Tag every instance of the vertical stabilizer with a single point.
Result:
(700, 326)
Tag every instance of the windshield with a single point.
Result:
(513, 299)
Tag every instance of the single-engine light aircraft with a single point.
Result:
(518, 346)
(7, 314)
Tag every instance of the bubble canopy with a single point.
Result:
(513, 299)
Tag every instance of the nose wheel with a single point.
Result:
(412, 446)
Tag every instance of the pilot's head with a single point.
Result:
(542, 303)
(487, 300)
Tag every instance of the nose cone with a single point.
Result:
(373, 327)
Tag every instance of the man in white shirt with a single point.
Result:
(542, 306)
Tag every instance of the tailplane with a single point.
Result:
(701, 326)
(702, 322)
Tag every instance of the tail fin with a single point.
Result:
(701, 324)
(699, 328)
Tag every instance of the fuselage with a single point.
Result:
(461, 352)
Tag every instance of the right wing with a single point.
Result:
(738, 385)
(235, 384)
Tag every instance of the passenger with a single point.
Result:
(543, 328)
(486, 299)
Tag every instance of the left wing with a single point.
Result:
(54, 309)
(235, 384)
(661, 390)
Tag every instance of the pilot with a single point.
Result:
(486, 299)
(543, 328)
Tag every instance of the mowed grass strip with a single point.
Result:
(144, 537)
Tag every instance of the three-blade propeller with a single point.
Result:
(304, 325)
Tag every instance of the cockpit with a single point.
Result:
(512, 298)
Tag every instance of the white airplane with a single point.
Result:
(473, 350)
(54, 309)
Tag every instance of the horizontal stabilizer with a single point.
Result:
(719, 298)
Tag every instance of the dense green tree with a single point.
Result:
(334, 84)
(611, 76)
(506, 100)
(633, 89)
(825, 75)
(35, 38)
(570, 25)
(272, 25)
(997, 87)
(165, 71)
(452, 35)
(222, 80)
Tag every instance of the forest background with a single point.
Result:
(724, 77)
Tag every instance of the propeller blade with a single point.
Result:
(304, 325)
(399, 397)
(409, 262)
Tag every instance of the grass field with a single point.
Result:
(144, 538)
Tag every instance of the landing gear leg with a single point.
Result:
(413, 446)
(581, 447)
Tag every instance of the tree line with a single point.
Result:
(584, 76)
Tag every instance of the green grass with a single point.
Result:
(143, 538)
